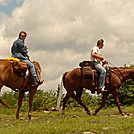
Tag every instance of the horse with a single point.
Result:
(74, 82)
(13, 80)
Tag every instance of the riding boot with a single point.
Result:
(39, 77)
(37, 81)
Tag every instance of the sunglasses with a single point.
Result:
(23, 36)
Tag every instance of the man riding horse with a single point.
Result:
(98, 60)
(20, 51)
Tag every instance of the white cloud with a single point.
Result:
(61, 33)
(3, 2)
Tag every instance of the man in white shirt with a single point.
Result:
(98, 59)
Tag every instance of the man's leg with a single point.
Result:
(102, 75)
(32, 71)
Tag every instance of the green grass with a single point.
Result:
(75, 121)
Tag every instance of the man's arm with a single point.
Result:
(98, 56)
(18, 50)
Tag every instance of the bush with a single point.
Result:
(42, 100)
(11, 98)
(45, 100)
(126, 93)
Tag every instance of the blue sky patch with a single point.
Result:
(10, 6)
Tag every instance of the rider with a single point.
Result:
(20, 51)
(98, 60)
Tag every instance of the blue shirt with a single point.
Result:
(19, 50)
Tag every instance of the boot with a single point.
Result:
(36, 81)
(39, 78)
(40, 82)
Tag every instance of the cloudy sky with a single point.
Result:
(61, 33)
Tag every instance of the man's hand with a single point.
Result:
(27, 57)
(105, 61)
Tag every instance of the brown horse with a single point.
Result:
(74, 81)
(14, 80)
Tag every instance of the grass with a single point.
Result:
(75, 121)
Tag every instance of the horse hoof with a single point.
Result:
(62, 112)
(29, 118)
(17, 117)
(94, 114)
(123, 114)
(88, 113)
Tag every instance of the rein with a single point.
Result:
(118, 71)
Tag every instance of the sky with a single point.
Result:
(62, 33)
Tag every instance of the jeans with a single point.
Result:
(102, 71)
(31, 69)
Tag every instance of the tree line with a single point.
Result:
(44, 100)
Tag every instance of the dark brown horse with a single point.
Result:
(14, 80)
(74, 81)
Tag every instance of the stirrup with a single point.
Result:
(104, 91)
(38, 83)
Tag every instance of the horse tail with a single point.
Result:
(60, 91)
(63, 79)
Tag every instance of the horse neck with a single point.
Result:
(125, 73)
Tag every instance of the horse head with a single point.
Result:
(132, 73)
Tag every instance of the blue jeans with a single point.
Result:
(31, 68)
(102, 71)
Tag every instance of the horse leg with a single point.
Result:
(32, 93)
(68, 95)
(115, 96)
(20, 98)
(3, 103)
(104, 98)
(77, 97)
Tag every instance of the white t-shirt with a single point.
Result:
(97, 51)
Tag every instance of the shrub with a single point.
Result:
(44, 100)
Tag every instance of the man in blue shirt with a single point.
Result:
(20, 51)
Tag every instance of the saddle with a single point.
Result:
(87, 68)
(89, 72)
(18, 66)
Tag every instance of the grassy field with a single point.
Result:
(75, 121)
